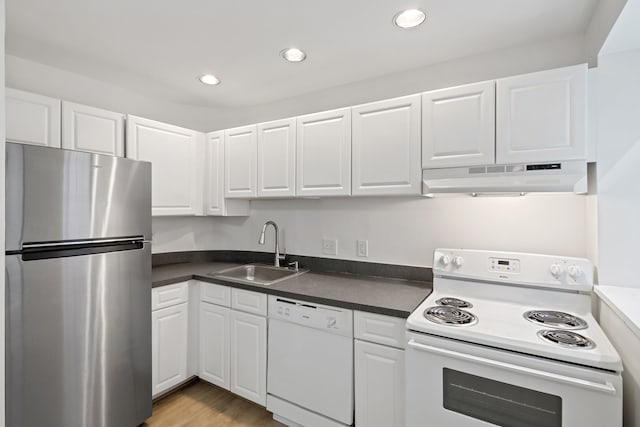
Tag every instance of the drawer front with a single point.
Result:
(215, 294)
(378, 328)
(166, 296)
(251, 302)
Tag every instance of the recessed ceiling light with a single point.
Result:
(409, 18)
(209, 79)
(293, 54)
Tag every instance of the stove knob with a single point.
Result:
(445, 260)
(331, 322)
(458, 261)
(574, 271)
(556, 270)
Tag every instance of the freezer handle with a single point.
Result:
(48, 250)
(70, 243)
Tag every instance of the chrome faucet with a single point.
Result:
(278, 257)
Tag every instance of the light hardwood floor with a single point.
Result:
(202, 404)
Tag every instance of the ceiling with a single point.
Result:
(159, 47)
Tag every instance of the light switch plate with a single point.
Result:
(362, 248)
(330, 246)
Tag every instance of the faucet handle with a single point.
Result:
(294, 264)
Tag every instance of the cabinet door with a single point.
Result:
(91, 129)
(214, 344)
(458, 126)
(542, 116)
(215, 203)
(32, 119)
(276, 158)
(323, 154)
(386, 147)
(169, 342)
(379, 385)
(177, 167)
(241, 164)
(249, 356)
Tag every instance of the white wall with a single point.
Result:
(619, 168)
(604, 17)
(399, 230)
(39, 78)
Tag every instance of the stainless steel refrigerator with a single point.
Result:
(78, 280)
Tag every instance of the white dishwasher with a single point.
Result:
(310, 363)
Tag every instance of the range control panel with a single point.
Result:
(527, 269)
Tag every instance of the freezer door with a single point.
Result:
(79, 340)
(57, 195)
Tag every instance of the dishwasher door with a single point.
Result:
(311, 368)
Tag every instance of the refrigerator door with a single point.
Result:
(79, 339)
(55, 195)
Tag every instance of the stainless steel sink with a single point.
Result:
(256, 274)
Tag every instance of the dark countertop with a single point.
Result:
(393, 297)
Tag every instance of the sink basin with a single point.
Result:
(257, 274)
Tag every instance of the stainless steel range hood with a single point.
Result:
(566, 176)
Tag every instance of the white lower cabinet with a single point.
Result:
(379, 370)
(249, 356)
(379, 385)
(169, 331)
(233, 343)
(169, 336)
(214, 344)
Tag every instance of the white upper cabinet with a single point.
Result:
(277, 158)
(386, 147)
(176, 155)
(542, 116)
(91, 129)
(458, 126)
(241, 164)
(323, 154)
(32, 119)
(215, 203)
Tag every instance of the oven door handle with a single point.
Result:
(607, 387)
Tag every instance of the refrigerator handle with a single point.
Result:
(70, 243)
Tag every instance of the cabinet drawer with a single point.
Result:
(215, 294)
(379, 328)
(251, 302)
(169, 295)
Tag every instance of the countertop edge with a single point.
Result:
(609, 295)
(271, 291)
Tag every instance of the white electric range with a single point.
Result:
(508, 339)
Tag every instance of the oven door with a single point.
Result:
(453, 383)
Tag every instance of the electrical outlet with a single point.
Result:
(362, 247)
(329, 246)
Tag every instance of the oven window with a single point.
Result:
(499, 403)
